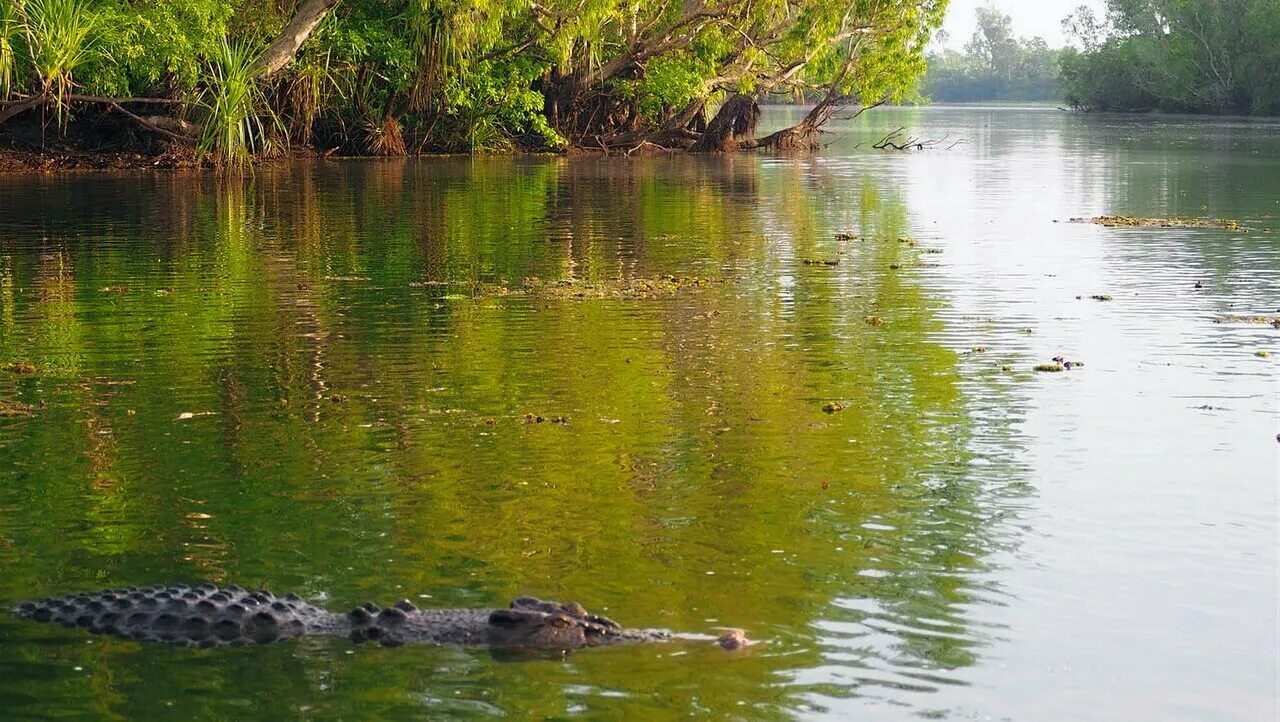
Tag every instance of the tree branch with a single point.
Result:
(155, 123)
(285, 48)
(21, 106)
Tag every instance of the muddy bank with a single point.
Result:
(23, 161)
(79, 159)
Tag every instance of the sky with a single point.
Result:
(1030, 18)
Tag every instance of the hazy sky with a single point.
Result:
(1030, 17)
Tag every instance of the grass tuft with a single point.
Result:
(235, 107)
(60, 37)
(385, 138)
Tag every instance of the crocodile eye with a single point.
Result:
(560, 622)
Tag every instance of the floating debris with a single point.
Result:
(979, 349)
(1059, 363)
(733, 639)
(16, 410)
(847, 236)
(1175, 222)
(532, 418)
(1262, 353)
(21, 368)
(1095, 297)
(874, 321)
(115, 289)
(185, 415)
(618, 289)
(1068, 364)
(348, 279)
(833, 407)
(1272, 320)
(821, 261)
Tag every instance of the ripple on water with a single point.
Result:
(316, 384)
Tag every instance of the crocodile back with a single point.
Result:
(204, 615)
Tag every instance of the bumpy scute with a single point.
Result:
(205, 615)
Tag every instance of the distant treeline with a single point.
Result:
(995, 65)
(1194, 56)
(1182, 56)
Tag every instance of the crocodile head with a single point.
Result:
(533, 623)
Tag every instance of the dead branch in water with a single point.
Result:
(898, 140)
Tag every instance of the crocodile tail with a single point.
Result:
(204, 615)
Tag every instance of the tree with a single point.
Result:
(993, 45)
(1180, 55)
(608, 56)
(996, 65)
(284, 48)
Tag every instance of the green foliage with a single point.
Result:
(160, 48)
(1104, 79)
(1177, 55)
(996, 65)
(234, 106)
(470, 75)
(60, 38)
(495, 103)
(670, 83)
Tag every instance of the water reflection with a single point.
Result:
(306, 382)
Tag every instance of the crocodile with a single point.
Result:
(207, 615)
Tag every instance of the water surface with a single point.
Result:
(313, 382)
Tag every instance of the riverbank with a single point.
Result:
(173, 157)
(22, 161)
(52, 160)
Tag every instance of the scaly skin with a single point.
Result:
(210, 616)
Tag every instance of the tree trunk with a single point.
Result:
(285, 48)
(803, 136)
(733, 127)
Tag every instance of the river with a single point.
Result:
(328, 379)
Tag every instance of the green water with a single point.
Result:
(309, 382)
